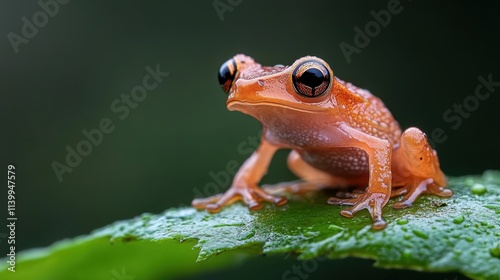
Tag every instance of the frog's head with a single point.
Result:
(422, 159)
(305, 86)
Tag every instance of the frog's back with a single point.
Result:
(366, 112)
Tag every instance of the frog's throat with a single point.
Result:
(234, 105)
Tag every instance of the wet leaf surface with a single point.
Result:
(461, 233)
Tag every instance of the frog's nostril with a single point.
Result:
(260, 82)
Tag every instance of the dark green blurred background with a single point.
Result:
(65, 78)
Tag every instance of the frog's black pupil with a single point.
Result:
(312, 77)
(226, 76)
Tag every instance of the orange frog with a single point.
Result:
(340, 135)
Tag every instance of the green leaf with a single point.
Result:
(461, 233)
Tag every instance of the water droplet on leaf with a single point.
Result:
(402, 221)
(459, 219)
(478, 189)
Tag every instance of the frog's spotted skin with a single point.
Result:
(340, 135)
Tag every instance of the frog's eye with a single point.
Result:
(311, 78)
(227, 73)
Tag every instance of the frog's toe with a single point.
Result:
(399, 191)
(426, 186)
(402, 204)
(260, 194)
(439, 191)
(341, 201)
(373, 202)
(379, 224)
(254, 205)
(346, 213)
(251, 196)
(202, 203)
(213, 208)
(214, 204)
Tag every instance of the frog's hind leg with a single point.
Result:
(414, 190)
(312, 179)
(417, 169)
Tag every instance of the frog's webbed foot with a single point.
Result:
(373, 202)
(413, 191)
(252, 196)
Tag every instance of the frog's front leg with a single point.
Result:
(379, 187)
(244, 186)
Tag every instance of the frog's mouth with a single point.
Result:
(235, 105)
